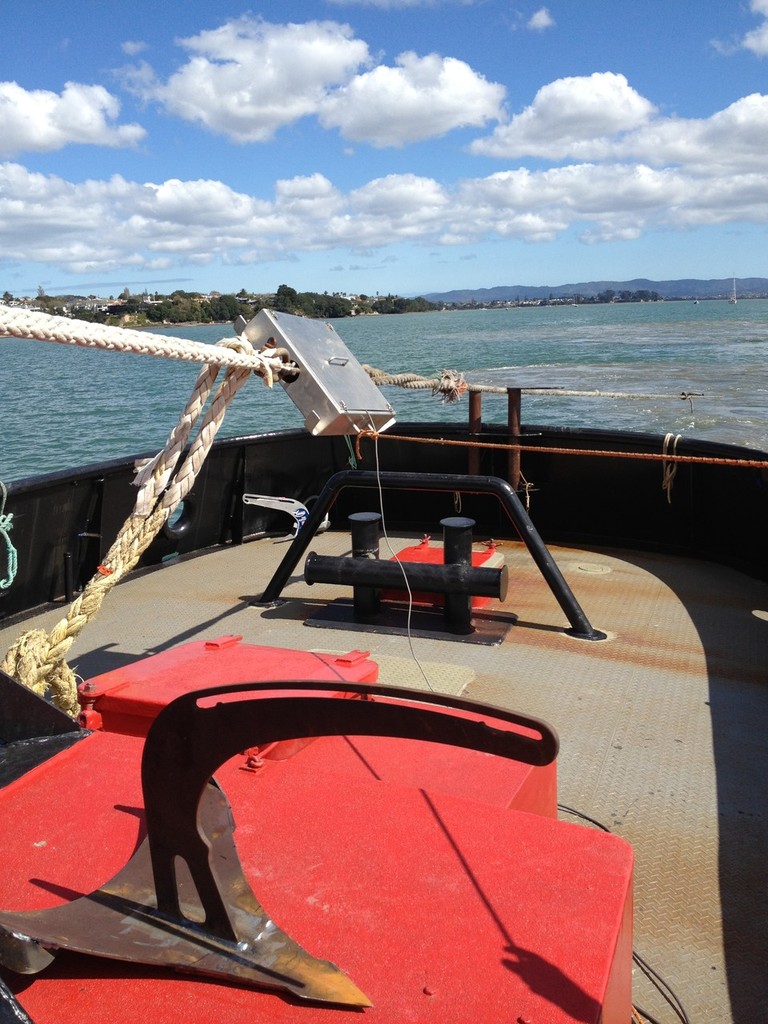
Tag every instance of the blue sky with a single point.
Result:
(406, 146)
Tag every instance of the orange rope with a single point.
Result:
(652, 456)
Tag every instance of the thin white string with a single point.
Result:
(402, 567)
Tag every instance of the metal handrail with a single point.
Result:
(581, 627)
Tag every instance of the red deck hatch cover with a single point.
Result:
(441, 909)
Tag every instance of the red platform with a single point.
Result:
(128, 699)
(441, 909)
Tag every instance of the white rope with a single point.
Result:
(152, 478)
(451, 385)
(37, 658)
(669, 469)
(24, 323)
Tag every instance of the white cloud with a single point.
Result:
(570, 117)
(601, 118)
(40, 121)
(622, 168)
(310, 198)
(541, 20)
(399, 195)
(396, 208)
(248, 78)
(104, 225)
(133, 47)
(757, 39)
(420, 98)
(630, 171)
(731, 140)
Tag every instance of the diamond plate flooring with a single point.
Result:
(663, 725)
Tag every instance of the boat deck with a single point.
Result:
(663, 725)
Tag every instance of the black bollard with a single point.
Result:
(457, 550)
(364, 528)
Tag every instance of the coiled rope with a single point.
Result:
(37, 658)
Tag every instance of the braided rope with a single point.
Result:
(452, 384)
(37, 658)
(25, 323)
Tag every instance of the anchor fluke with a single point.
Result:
(120, 921)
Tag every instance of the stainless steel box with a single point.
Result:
(332, 391)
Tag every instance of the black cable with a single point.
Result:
(585, 817)
(662, 987)
(647, 1018)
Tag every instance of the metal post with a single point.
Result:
(513, 422)
(475, 427)
(457, 550)
(364, 529)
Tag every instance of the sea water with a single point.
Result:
(64, 407)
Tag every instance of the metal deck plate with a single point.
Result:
(664, 726)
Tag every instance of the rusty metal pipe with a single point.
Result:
(475, 428)
(513, 425)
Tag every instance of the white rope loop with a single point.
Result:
(669, 468)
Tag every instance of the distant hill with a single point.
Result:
(687, 288)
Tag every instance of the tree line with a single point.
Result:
(642, 295)
(181, 307)
(326, 306)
